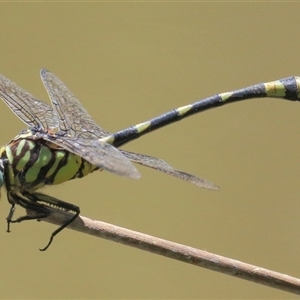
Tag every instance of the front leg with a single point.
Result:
(41, 210)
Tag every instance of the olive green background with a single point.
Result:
(128, 62)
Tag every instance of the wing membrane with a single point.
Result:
(162, 166)
(30, 110)
(73, 118)
(98, 153)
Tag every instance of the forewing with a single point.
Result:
(98, 153)
(30, 110)
(73, 118)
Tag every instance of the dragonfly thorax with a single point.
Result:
(30, 162)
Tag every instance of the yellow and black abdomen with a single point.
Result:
(34, 162)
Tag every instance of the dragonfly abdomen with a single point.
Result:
(34, 162)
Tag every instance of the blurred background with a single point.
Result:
(128, 62)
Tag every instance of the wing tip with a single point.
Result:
(134, 174)
(211, 187)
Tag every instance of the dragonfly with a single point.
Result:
(63, 142)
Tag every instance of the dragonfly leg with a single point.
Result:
(38, 203)
(25, 204)
(45, 200)
(41, 211)
(40, 215)
(10, 215)
(59, 229)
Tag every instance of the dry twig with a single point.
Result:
(176, 251)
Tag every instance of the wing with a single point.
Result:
(162, 166)
(30, 110)
(100, 154)
(75, 121)
(78, 123)
(73, 118)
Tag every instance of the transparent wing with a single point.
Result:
(76, 121)
(98, 153)
(162, 166)
(73, 118)
(30, 110)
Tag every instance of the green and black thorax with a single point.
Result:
(31, 162)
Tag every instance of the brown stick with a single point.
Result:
(176, 251)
